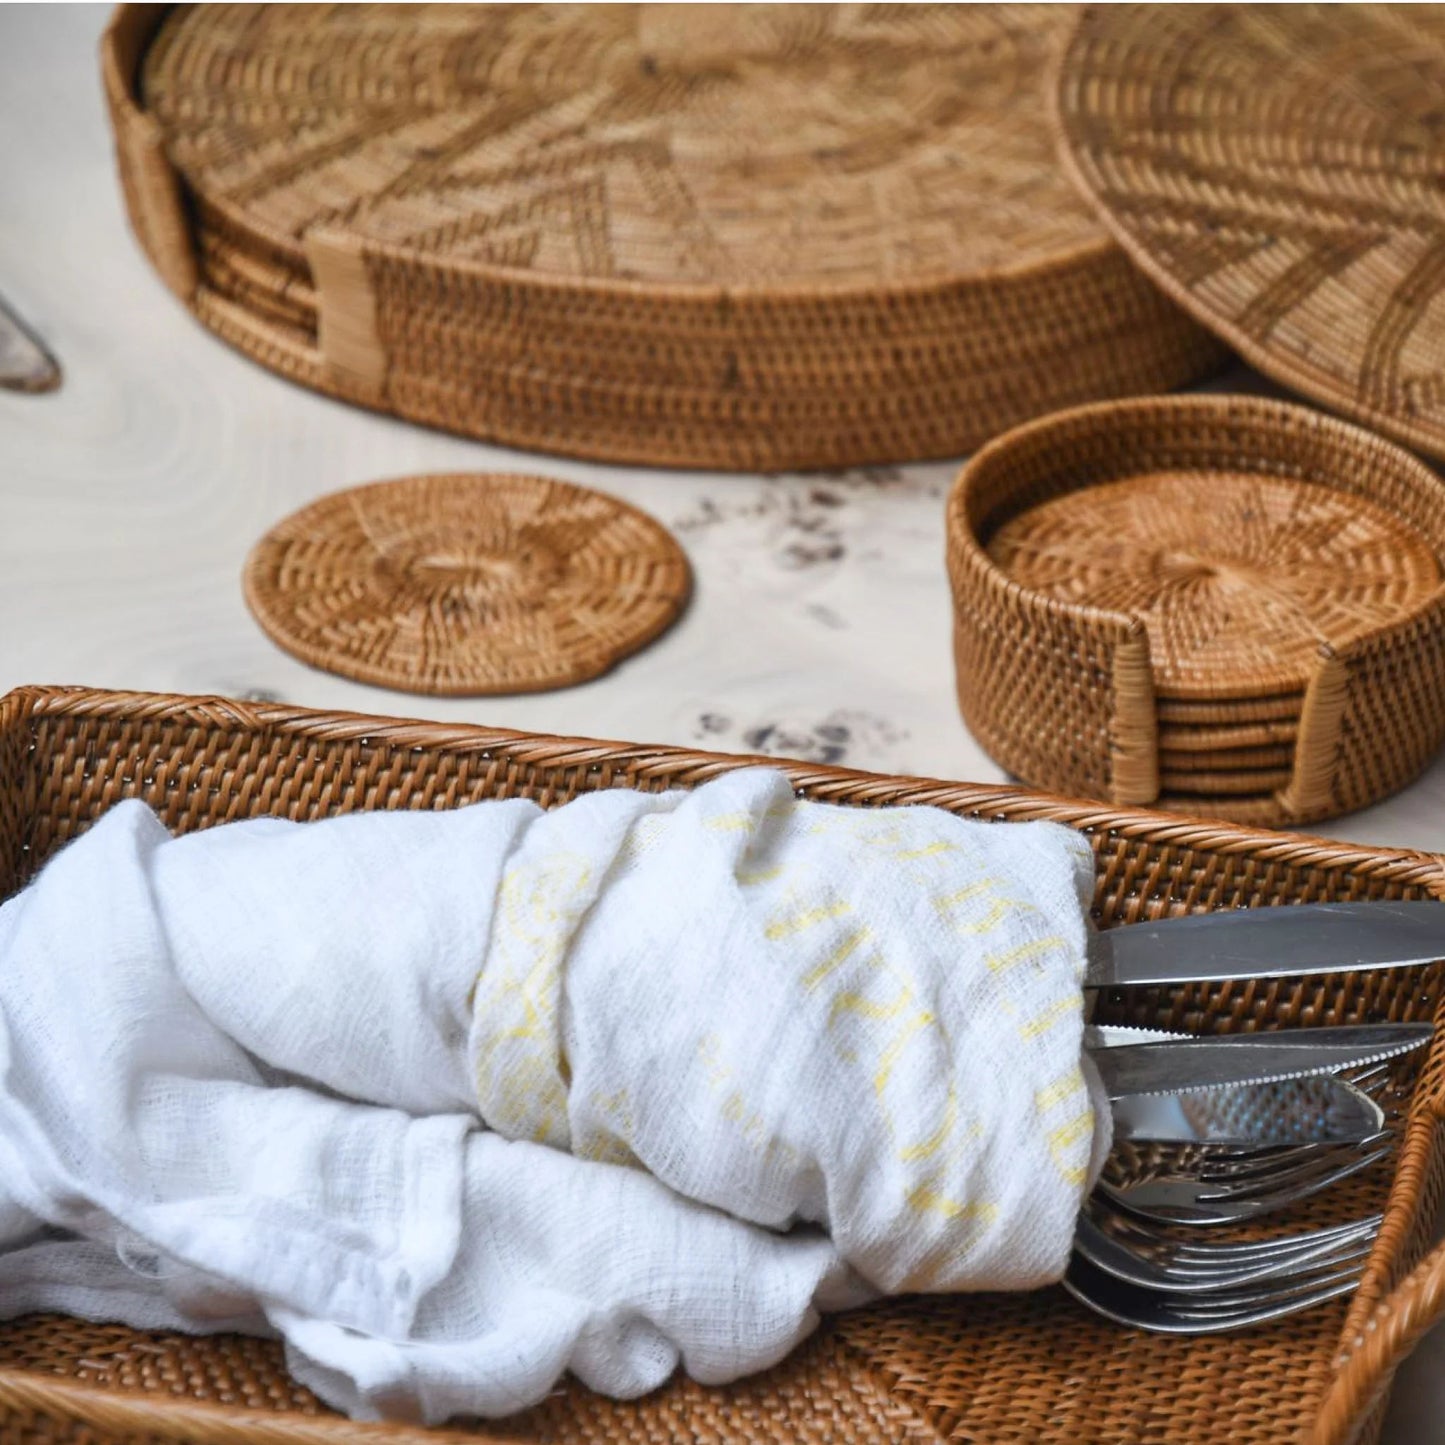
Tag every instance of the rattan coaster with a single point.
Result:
(1228, 606)
(751, 236)
(1224, 760)
(1246, 723)
(1238, 594)
(1276, 170)
(461, 585)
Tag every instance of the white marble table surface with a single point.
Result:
(128, 501)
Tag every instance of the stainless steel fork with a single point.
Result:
(1229, 1192)
(1206, 1311)
(1137, 1257)
(1223, 1185)
(1154, 1258)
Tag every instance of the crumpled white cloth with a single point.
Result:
(455, 1102)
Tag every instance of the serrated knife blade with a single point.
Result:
(1270, 942)
(1173, 1066)
(1321, 1109)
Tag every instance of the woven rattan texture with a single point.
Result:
(1250, 584)
(1020, 1368)
(1226, 605)
(543, 137)
(466, 584)
(1275, 169)
(743, 236)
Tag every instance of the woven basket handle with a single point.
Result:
(1367, 1366)
(1317, 746)
(1400, 1319)
(347, 314)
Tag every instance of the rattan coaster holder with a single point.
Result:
(846, 282)
(1331, 692)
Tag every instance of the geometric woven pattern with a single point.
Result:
(753, 236)
(460, 585)
(965, 1369)
(1276, 169)
(728, 145)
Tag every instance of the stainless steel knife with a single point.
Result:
(1317, 1110)
(1182, 1065)
(1270, 942)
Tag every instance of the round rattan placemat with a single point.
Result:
(751, 236)
(466, 584)
(1275, 168)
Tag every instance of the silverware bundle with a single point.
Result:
(1212, 1134)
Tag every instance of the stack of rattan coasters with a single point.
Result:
(1228, 606)
(753, 236)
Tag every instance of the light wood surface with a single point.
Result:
(129, 498)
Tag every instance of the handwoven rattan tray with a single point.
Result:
(1275, 168)
(1222, 605)
(1034, 1367)
(739, 236)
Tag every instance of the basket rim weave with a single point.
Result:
(1004, 801)
(1375, 1339)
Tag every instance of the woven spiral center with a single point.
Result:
(482, 581)
(1185, 567)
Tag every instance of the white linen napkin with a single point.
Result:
(806, 1054)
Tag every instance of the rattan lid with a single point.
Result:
(1276, 170)
(756, 236)
(1239, 577)
(460, 585)
(777, 145)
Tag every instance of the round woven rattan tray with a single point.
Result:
(1276, 170)
(743, 236)
(468, 584)
(1230, 606)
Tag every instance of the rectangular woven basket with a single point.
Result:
(1027, 1367)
